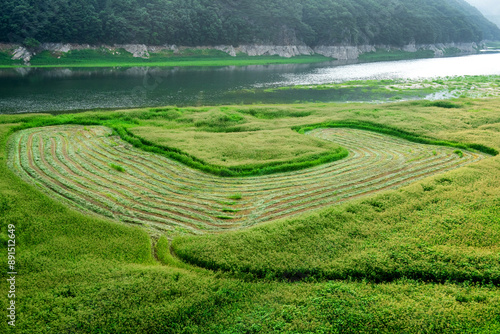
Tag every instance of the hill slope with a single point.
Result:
(212, 22)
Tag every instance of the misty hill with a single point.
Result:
(489, 8)
(234, 22)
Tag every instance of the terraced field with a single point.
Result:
(89, 168)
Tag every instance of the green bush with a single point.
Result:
(117, 168)
(443, 104)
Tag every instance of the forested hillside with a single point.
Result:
(212, 22)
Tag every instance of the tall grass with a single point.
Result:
(82, 274)
(440, 230)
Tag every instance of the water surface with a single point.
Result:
(61, 89)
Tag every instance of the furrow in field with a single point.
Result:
(132, 172)
(126, 199)
(31, 168)
(326, 198)
(74, 163)
(262, 184)
(128, 189)
(147, 174)
(95, 197)
(365, 178)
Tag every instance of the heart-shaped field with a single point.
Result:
(89, 168)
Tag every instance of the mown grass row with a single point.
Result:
(188, 159)
(240, 171)
(397, 133)
(98, 172)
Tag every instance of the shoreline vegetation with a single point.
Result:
(121, 58)
(191, 57)
(209, 61)
(381, 91)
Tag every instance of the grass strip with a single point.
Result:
(251, 170)
(50, 62)
(387, 130)
(240, 171)
(119, 128)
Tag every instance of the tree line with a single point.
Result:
(235, 22)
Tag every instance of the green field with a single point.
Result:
(119, 218)
(233, 149)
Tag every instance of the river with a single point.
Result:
(62, 89)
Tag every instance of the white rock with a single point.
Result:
(343, 52)
(22, 53)
(229, 49)
(57, 47)
(137, 50)
(275, 50)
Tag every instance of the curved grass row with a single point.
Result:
(239, 171)
(94, 170)
(293, 165)
(378, 128)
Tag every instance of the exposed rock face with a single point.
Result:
(156, 49)
(137, 50)
(346, 52)
(353, 52)
(58, 47)
(22, 53)
(343, 52)
(410, 48)
(439, 49)
(275, 50)
(340, 52)
(229, 49)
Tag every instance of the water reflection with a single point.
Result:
(484, 64)
(58, 89)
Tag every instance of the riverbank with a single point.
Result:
(92, 58)
(482, 86)
(128, 55)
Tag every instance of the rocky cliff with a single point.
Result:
(340, 52)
